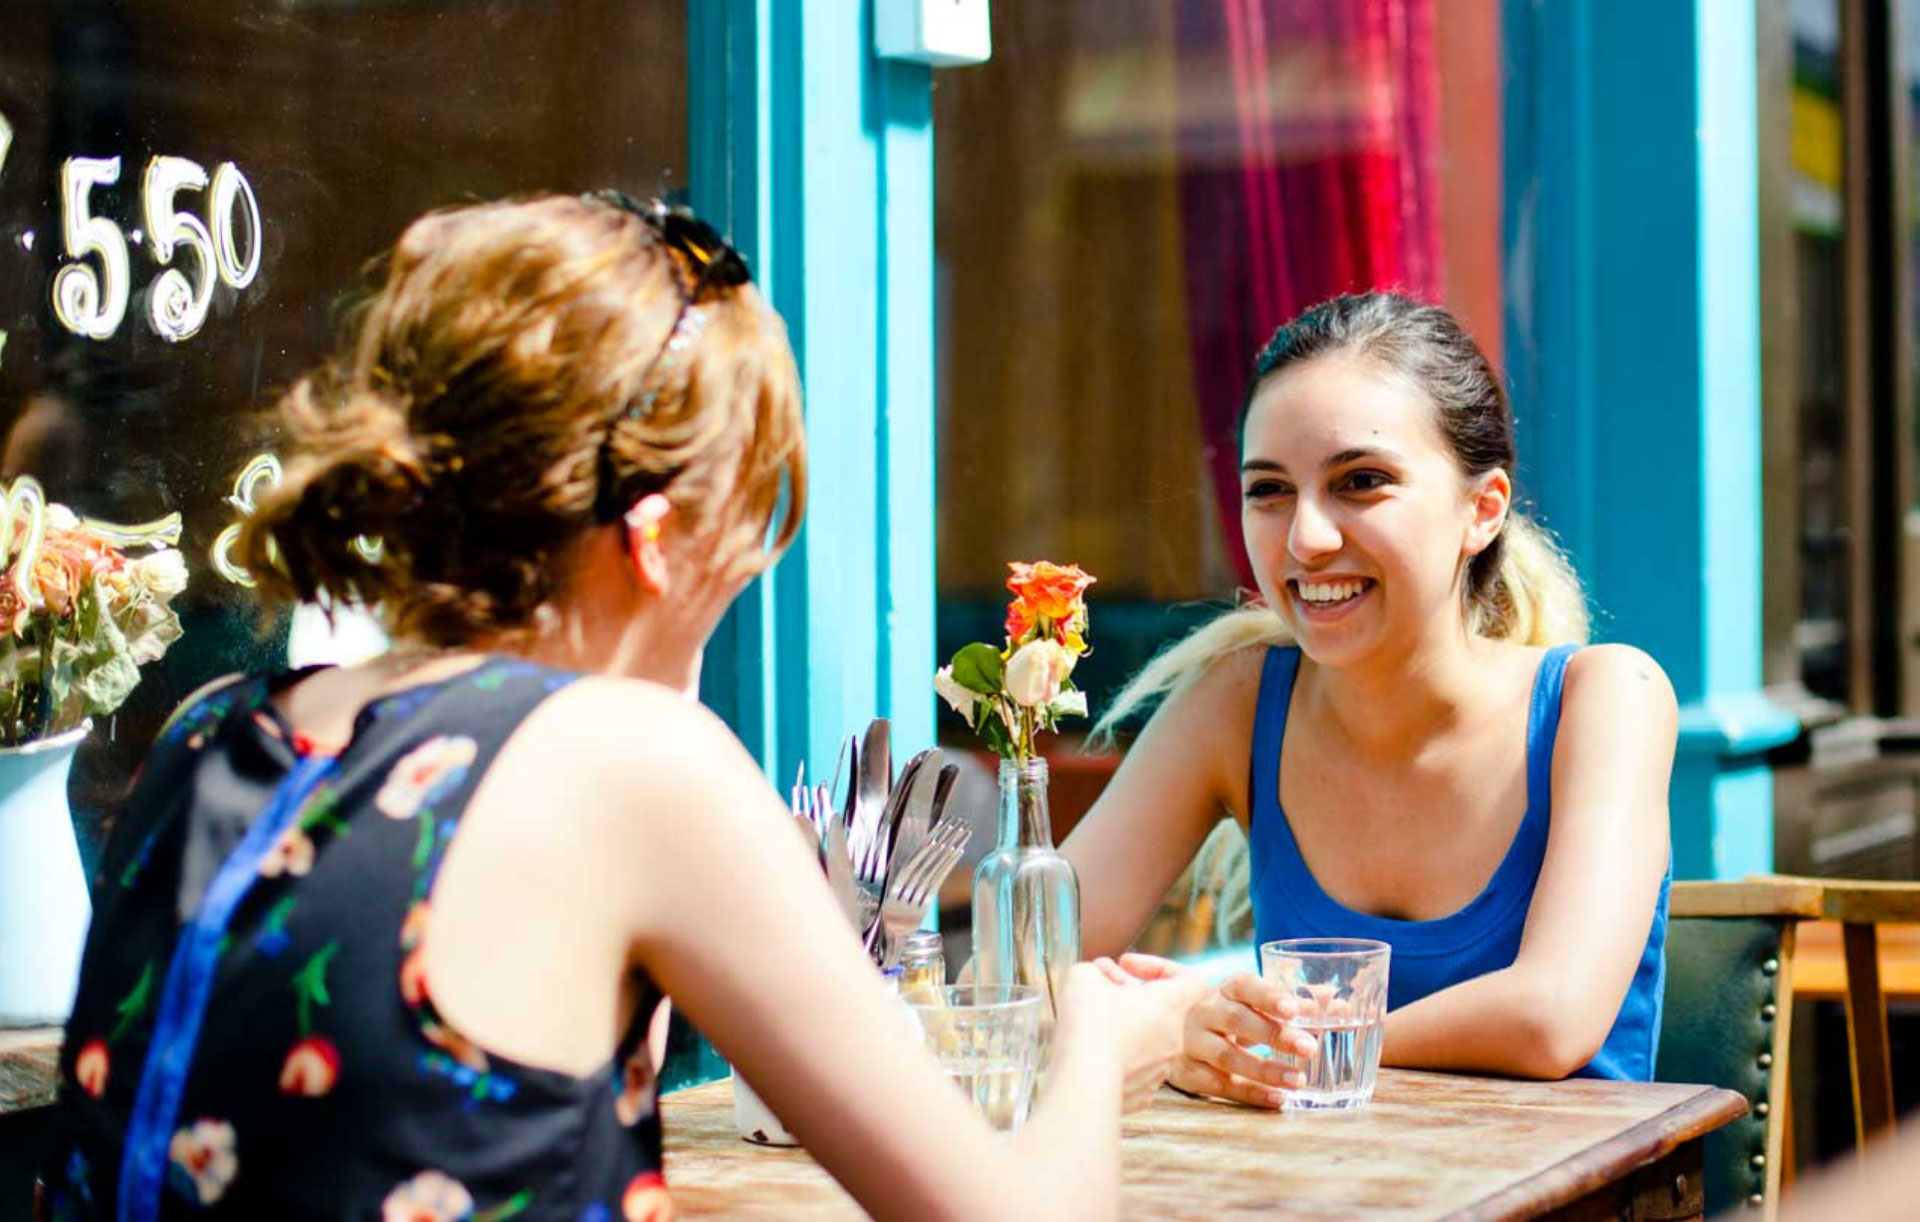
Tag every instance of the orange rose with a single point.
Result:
(14, 611)
(1045, 591)
(59, 573)
(1053, 591)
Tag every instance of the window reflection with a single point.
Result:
(266, 154)
(1131, 196)
(1821, 633)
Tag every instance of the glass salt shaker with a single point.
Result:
(923, 964)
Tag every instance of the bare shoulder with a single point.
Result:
(1205, 729)
(627, 736)
(1619, 729)
(1216, 699)
(1620, 680)
(1229, 685)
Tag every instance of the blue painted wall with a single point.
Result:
(1633, 340)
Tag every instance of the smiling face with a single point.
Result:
(1357, 516)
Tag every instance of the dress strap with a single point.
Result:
(1270, 730)
(183, 1001)
(1543, 725)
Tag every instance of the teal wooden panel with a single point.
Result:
(907, 656)
(729, 184)
(818, 160)
(1633, 340)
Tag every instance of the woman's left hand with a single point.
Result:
(1220, 1029)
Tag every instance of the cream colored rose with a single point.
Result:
(1034, 674)
(1068, 704)
(961, 698)
(164, 572)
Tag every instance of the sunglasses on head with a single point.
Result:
(716, 265)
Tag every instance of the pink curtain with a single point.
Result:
(1308, 141)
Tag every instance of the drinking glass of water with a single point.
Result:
(1340, 987)
(987, 1038)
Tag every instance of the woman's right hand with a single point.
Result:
(1220, 1027)
(1145, 1020)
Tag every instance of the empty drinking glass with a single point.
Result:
(1340, 987)
(987, 1038)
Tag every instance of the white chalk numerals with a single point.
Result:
(231, 186)
(90, 302)
(178, 304)
(262, 473)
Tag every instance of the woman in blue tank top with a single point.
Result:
(1409, 730)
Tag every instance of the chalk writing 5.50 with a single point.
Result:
(94, 286)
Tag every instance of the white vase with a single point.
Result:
(44, 906)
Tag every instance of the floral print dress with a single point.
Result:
(323, 1083)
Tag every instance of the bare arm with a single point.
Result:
(730, 917)
(1187, 768)
(1606, 853)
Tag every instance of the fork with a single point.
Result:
(905, 905)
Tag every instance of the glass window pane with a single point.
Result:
(344, 119)
(1821, 634)
(1131, 196)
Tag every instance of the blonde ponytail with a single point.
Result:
(1535, 597)
(1186, 660)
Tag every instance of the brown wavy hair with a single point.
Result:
(477, 423)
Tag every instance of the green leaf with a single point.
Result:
(993, 732)
(101, 662)
(499, 1213)
(310, 986)
(311, 980)
(134, 1004)
(423, 848)
(978, 668)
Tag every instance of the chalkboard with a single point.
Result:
(266, 151)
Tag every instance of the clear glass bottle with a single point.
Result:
(1026, 897)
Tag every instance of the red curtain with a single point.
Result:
(1308, 141)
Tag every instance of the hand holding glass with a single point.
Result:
(1340, 988)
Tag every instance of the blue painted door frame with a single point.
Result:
(1633, 340)
(817, 158)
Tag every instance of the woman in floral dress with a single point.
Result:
(386, 941)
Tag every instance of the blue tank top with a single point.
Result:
(1482, 937)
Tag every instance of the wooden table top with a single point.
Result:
(1431, 1146)
(29, 1067)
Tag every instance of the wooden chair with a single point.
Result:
(1737, 956)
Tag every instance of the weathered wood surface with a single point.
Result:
(28, 1067)
(1431, 1146)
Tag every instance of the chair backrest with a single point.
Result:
(1725, 1023)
